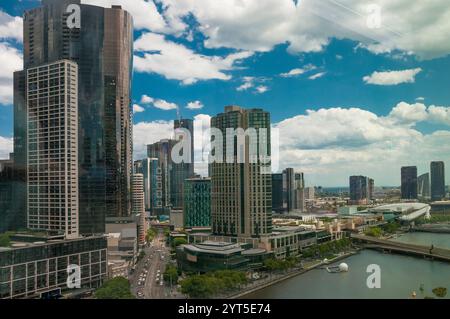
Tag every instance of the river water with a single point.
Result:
(400, 276)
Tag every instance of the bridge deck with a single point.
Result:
(436, 253)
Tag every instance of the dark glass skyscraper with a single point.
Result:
(409, 182)
(103, 49)
(437, 170)
(423, 182)
(182, 171)
(197, 202)
(359, 189)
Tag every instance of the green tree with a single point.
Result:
(374, 232)
(115, 288)
(5, 240)
(171, 274)
(179, 241)
(440, 292)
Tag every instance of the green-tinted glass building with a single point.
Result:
(102, 47)
(197, 202)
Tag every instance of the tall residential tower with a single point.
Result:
(241, 180)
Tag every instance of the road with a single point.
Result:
(156, 258)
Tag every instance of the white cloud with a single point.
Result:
(409, 113)
(150, 132)
(392, 77)
(317, 76)
(11, 61)
(262, 89)
(10, 27)
(331, 144)
(250, 82)
(308, 25)
(145, 133)
(6, 147)
(144, 12)
(158, 103)
(195, 105)
(137, 108)
(298, 71)
(176, 62)
(420, 99)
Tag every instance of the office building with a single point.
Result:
(162, 151)
(138, 208)
(184, 129)
(279, 204)
(8, 217)
(409, 182)
(371, 189)
(52, 156)
(151, 171)
(103, 50)
(361, 190)
(423, 182)
(241, 180)
(309, 193)
(197, 202)
(34, 268)
(437, 170)
(288, 191)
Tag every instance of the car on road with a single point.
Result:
(161, 283)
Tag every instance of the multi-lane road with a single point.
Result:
(150, 270)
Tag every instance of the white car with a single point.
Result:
(161, 283)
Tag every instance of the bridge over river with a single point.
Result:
(403, 248)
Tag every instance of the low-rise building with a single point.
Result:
(34, 269)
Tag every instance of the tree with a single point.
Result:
(115, 288)
(171, 274)
(440, 292)
(179, 241)
(5, 240)
(374, 232)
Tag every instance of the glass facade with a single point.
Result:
(437, 170)
(103, 50)
(29, 271)
(409, 182)
(197, 202)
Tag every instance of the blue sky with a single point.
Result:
(346, 100)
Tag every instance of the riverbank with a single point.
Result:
(280, 278)
(433, 228)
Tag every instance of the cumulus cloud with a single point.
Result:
(156, 54)
(331, 144)
(150, 132)
(317, 76)
(145, 133)
(308, 25)
(11, 61)
(392, 77)
(195, 105)
(10, 27)
(298, 71)
(137, 108)
(250, 82)
(6, 147)
(158, 103)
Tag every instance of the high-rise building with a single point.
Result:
(423, 182)
(288, 191)
(279, 203)
(409, 182)
(371, 189)
(241, 180)
(359, 190)
(309, 193)
(197, 202)
(7, 212)
(184, 128)
(149, 168)
(52, 157)
(102, 47)
(138, 207)
(162, 151)
(437, 170)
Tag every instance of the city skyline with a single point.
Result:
(400, 105)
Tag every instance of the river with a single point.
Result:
(400, 276)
